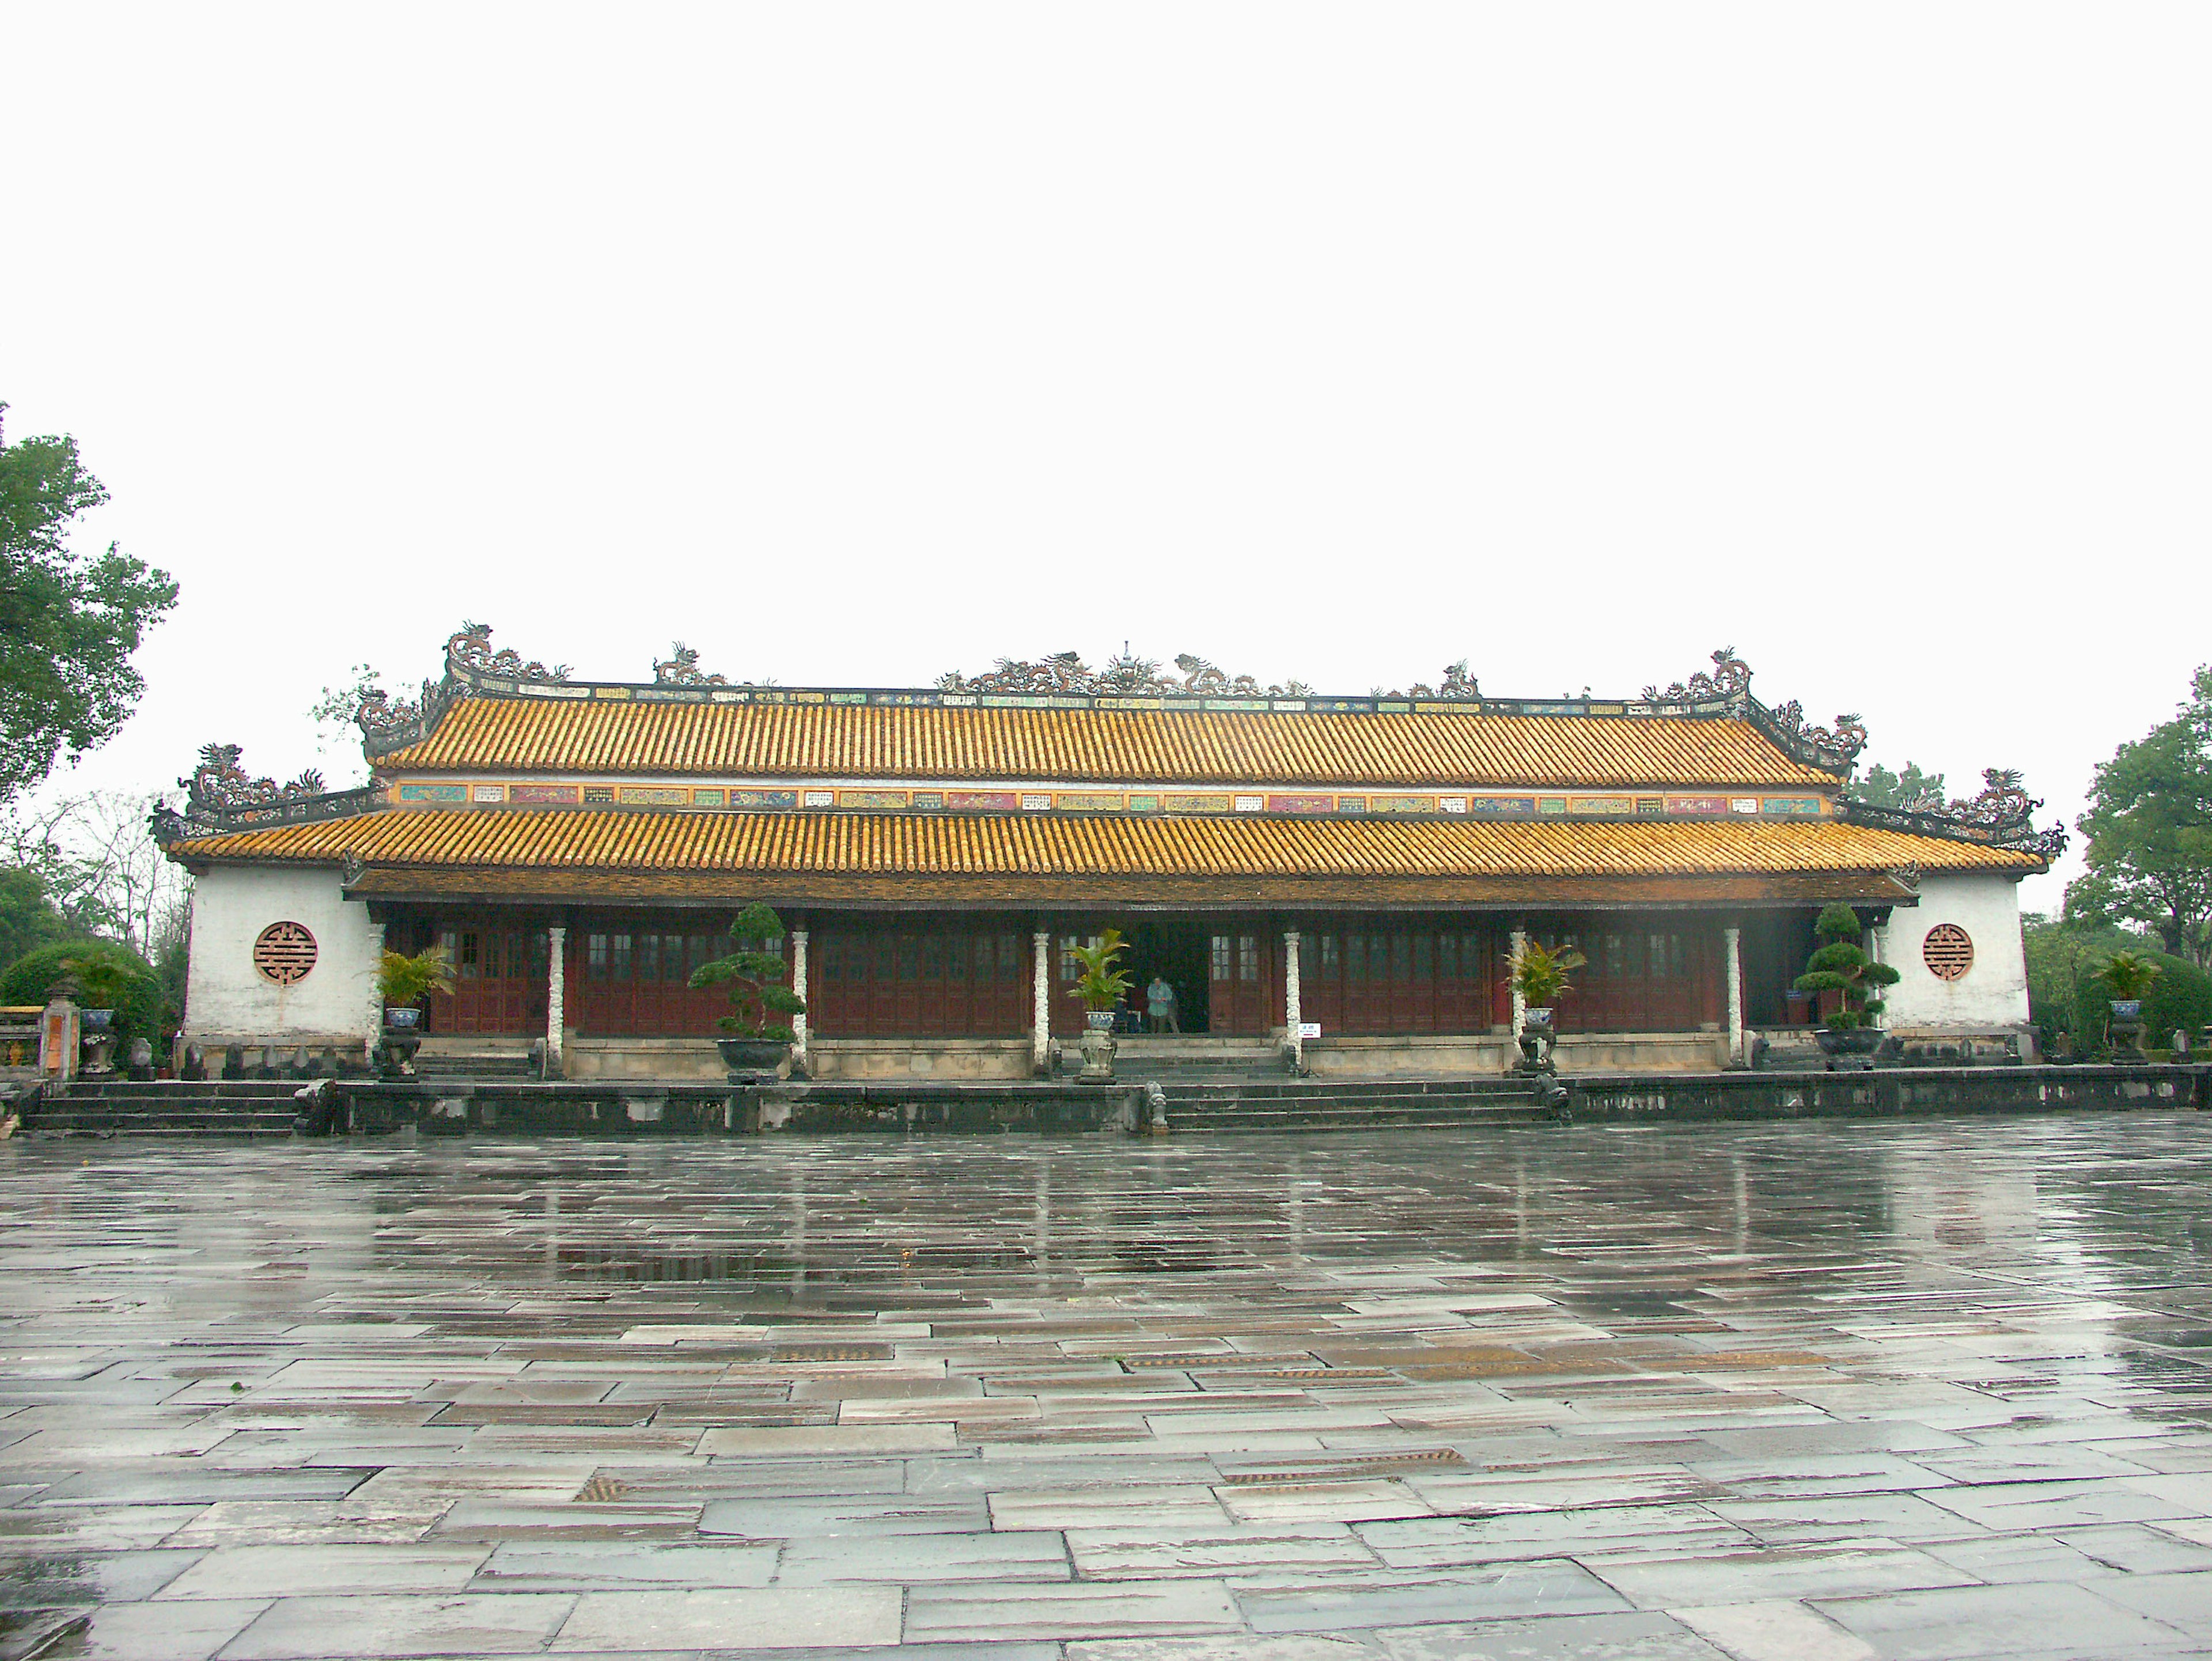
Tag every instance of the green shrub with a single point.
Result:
(1842, 966)
(107, 966)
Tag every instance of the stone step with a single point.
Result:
(63, 1122)
(183, 1090)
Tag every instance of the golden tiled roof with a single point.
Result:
(926, 846)
(1134, 746)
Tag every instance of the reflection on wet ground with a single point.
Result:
(1815, 1390)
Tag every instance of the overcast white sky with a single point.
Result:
(852, 343)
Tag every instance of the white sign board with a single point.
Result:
(1309, 1029)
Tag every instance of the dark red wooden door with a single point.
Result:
(500, 974)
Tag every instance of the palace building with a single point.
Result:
(1341, 877)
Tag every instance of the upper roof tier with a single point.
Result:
(1136, 747)
(1057, 719)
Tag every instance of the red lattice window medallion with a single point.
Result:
(1948, 951)
(284, 953)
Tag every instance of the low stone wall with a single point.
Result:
(881, 1059)
(1892, 1092)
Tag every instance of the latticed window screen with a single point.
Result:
(1948, 951)
(284, 952)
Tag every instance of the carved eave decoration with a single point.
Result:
(2002, 817)
(682, 670)
(1727, 690)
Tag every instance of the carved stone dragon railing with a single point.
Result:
(221, 797)
(2002, 817)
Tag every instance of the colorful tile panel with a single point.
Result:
(873, 798)
(1805, 805)
(982, 801)
(1402, 804)
(653, 795)
(764, 799)
(1301, 804)
(1088, 801)
(545, 796)
(434, 792)
(1697, 804)
(1178, 802)
(598, 796)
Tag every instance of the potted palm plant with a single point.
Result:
(2127, 979)
(1841, 965)
(402, 982)
(756, 1044)
(1540, 976)
(1100, 985)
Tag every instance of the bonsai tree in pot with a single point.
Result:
(2127, 979)
(1540, 975)
(1099, 986)
(1841, 965)
(757, 1042)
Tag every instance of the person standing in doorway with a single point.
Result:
(1160, 1003)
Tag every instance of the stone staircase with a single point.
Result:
(1348, 1104)
(1189, 1058)
(463, 1060)
(235, 1108)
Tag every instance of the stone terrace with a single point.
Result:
(1815, 1390)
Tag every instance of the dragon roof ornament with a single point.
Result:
(2003, 814)
(1833, 748)
(220, 796)
(1125, 675)
(1731, 679)
(470, 649)
(682, 670)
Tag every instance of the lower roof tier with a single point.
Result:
(995, 859)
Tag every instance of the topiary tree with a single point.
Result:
(111, 975)
(1841, 965)
(755, 979)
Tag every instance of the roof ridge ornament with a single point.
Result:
(1126, 675)
(1846, 740)
(1731, 679)
(2002, 815)
(682, 670)
(219, 785)
(470, 649)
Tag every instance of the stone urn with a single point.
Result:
(1538, 1038)
(747, 1059)
(99, 1043)
(1097, 1047)
(2124, 1028)
(401, 1038)
(1849, 1049)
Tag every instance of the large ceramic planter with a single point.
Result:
(2125, 1029)
(398, 1020)
(1098, 1020)
(746, 1059)
(1538, 1037)
(1849, 1049)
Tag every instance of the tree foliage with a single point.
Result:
(2068, 992)
(1842, 965)
(29, 917)
(106, 969)
(1909, 789)
(69, 622)
(754, 975)
(2150, 831)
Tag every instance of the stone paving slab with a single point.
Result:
(1827, 1391)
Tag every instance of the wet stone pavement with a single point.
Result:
(1808, 1390)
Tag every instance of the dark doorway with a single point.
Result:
(1177, 950)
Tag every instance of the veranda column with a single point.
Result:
(1732, 957)
(1041, 1010)
(556, 987)
(1878, 948)
(798, 985)
(1520, 1003)
(1292, 1018)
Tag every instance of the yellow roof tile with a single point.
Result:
(922, 844)
(526, 735)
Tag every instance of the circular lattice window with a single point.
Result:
(1948, 951)
(284, 953)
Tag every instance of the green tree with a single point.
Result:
(106, 968)
(2063, 960)
(1883, 789)
(2149, 833)
(69, 622)
(29, 917)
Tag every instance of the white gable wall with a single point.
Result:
(1993, 994)
(229, 1001)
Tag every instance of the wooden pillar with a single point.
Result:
(1292, 1018)
(1041, 1002)
(1732, 966)
(798, 985)
(556, 990)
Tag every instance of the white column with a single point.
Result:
(556, 987)
(1291, 1017)
(1878, 949)
(1041, 1012)
(798, 985)
(1732, 957)
(1520, 1003)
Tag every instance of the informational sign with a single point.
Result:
(1309, 1029)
